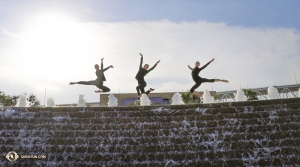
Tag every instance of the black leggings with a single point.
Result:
(141, 86)
(99, 85)
(199, 82)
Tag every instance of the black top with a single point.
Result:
(142, 72)
(196, 70)
(100, 73)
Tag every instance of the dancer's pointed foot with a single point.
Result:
(72, 83)
(226, 81)
(151, 89)
(98, 91)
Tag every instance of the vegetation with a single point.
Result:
(251, 95)
(135, 103)
(188, 97)
(33, 100)
(7, 100)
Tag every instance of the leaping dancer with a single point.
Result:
(198, 80)
(99, 81)
(140, 77)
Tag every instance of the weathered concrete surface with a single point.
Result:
(256, 133)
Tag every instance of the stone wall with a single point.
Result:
(257, 133)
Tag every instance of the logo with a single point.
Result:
(12, 156)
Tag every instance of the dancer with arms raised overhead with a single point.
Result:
(198, 80)
(140, 77)
(99, 81)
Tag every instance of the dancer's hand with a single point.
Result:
(157, 61)
(212, 60)
(102, 59)
(141, 54)
(111, 66)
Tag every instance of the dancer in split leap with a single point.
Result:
(99, 81)
(140, 77)
(198, 80)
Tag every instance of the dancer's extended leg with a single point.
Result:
(83, 83)
(102, 87)
(105, 89)
(221, 80)
(198, 83)
(203, 80)
(195, 87)
(138, 90)
(150, 90)
(141, 87)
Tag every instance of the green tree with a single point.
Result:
(7, 100)
(135, 103)
(34, 102)
(188, 97)
(251, 95)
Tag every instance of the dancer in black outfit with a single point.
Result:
(100, 79)
(198, 80)
(140, 77)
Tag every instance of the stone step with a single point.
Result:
(226, 147)
(140, 111)
(112, 153)
(212, 139)
(90, 131)
(251, 133)
(154, 129)
(280, 161)
(166, 159)
(282, 123)
(105, 120)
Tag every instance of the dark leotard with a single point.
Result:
(140, 77)
(198, 80)
(99, 81)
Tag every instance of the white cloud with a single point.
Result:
(259, 57)
(7, 33)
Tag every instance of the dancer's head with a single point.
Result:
(96, 66)
(146, 66)
(197, 64)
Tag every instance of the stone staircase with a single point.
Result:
(256, 133)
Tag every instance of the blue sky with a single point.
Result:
(50, 43)
(247, 13)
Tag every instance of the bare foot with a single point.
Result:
(224, 80)
(72, 83)
(98, 91)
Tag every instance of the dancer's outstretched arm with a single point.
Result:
(190, 67)
(207, 64)
(102, 63)
(154, 66)
(108, 68)
(141, 62)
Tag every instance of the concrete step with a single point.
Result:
(256, 133)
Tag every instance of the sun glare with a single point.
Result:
(53, 39)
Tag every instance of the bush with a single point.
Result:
(188, 98)
(7, 100)
(251, 95)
